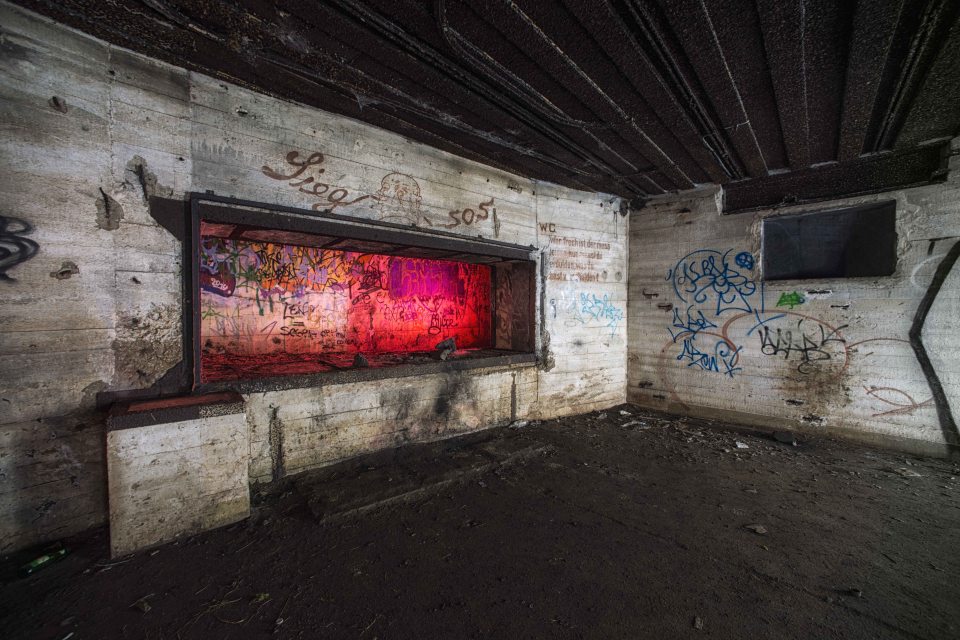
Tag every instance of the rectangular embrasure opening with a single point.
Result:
(276, 300)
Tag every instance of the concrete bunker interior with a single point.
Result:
(385, 318)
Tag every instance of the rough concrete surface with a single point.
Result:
(621, 524)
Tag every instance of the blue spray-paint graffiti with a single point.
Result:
(706, 277)
(723, 355)
(694, 323)
(602, 309)
(710, 284)
(588, 307)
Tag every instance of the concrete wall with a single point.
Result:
(90, 131)
(177, 478)
(854, 372)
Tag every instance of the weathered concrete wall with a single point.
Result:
(93, 300)
(851, 368)
(176, 478)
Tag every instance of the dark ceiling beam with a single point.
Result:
(936, 18)
(428, 91)
(483, 89)
(935, 112)
(536, 77)
(737, 27)
(504, 49)
(659, 64)
(439, 90)
(632, 77)
(874, 26)
(869, 174)
(692, 52)
(627, 124)
(782, 27)
(827, 28)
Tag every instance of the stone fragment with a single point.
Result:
(446, 347)
(906, 473)
(143, 604)
(785, 437)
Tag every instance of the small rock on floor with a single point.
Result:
(906, 473)
(785, 437)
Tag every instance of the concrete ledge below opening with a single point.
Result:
(176, 467)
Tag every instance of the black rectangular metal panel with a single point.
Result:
(854, 242)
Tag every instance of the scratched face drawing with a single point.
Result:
(399, 199)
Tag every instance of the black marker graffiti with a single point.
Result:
(809, 348)
(13, 248)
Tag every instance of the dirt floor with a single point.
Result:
(606, 525)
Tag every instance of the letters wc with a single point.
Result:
(175, 467)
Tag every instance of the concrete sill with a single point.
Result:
(343, 376)
(142, 413)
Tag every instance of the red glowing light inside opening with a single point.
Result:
(277, 309)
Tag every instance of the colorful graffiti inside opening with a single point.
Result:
(271, 309)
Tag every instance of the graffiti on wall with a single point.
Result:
(277, 302)
(712, 281)
(596, 309)
(14, 248)
(708, 284)
(717, 290)
(898, 400)
(790, 299)
(307, 177)
(808, 345)
(582, 308)
(720, 319)
(575, 259)
(398, 198)
(473, 217)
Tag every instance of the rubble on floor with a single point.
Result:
(622, 523)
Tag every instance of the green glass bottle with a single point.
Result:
(52, 555)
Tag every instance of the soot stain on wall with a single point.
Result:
(406, 400)
(455, 389)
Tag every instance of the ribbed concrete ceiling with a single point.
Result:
(780, 100)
